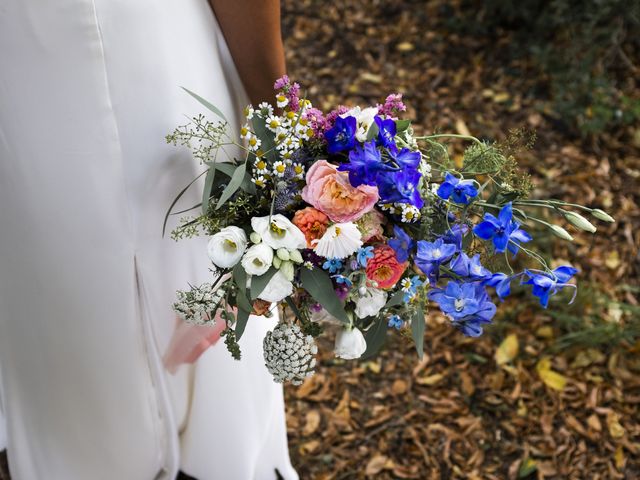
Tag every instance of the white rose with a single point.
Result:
(277, 289)
(279, 232)
(350, 344)
(226, 247)
(257, 259)
(364, 119)
(370, 304)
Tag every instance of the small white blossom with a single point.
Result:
(350, 344)
(281, 100)
(197, 305)
(266, 109)
(254, 143)
(248, 112)
(279, 168)
(245, 131)
(409, 213)
(277, 231)
(273, 122)
(260, 181)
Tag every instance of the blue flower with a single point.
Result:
(363, 255)
(342, 136)
(455, 234)
(406, 158)
(401, 243)
(400, 186)
(467, 304)
(469, 268)
(502, 284)
(332, 264)
(395, 322)
(364, 164)
(460, 191)
(386, 132)
(342, 280)
(431, 254)
(547, 284)
(503, 231)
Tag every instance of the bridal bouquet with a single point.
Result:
(348, 216)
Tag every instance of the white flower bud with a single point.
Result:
(579, 221)
(277, 262)
(362, 291)
(255, 237)
(602, 215)
(350, 344)
(287, 270)
(295, 256)
(283, 254)
(558, 231)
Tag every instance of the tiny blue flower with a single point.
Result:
(342, 136)
(342, 280)
(460, 191)
(395, 322)
(332, 264)
(363, 255)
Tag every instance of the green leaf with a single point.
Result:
(259, 283)
(207, 104)
(373, 131)
(266, 136)
(396, 299)
(233, 185)
(175, 200)
(417, 331)
(319, 286)
(241, 322)
(375, 337)
(225, 167)
(208, 184)
(229, 168)
(294, 308)
(402, 125)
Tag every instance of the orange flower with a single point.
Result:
(312, 222)
(384, 268)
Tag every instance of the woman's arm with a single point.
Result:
(252, 31)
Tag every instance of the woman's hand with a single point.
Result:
(252, 31)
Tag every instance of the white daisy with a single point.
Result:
(245, 131)
(279, 168)
(260, 181)
(261, 166)
(409, 213)
(273, 123)
(254, 143)
(298, 170)
(339, 241)
(281, 100)
(266, 109)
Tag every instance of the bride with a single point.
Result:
(88, 89)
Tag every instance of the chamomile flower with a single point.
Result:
(254, 143)
(281, 100)
(306, 134)
(261, 166)
(388, 207)
(286, 155)
(281, 135)
(298, 171)
(260, 181)
(406, 285)
(248, 112)
(279, 168)
(245, 132)
(409, 213)
(266, 109)
(273, 123)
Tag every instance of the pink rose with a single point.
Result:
(329, 191)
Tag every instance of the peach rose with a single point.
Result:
(312, 222)
(370, 224)
(384, 268)
(329, 191)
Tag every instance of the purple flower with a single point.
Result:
(392, 105)
(469, 268)
(406, 158)
(400, 186)
(401, 243)
(502, 284)
(547, 284)
(503, 231)
(467, 304)
(460, 191)
(364, 164)
(386, 133)
(342, 136)
(455, 234)
(431, 254)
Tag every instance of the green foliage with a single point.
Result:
(201, 136)
(585, 52)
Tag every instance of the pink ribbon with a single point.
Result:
(189, 342)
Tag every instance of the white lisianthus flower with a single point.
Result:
(226, 247)
(257, 259)
(277, 289)
(339, 241)
(364, 119)
(350, 344)
(370, 304)
(279, 232)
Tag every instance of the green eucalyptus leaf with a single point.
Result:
(175, 200)
(417, 331)
(207, 104)
(373, 131)
(259, 283)
(225, 167)
(402, 125)
(208, 185)
(376, 337)
(266, 136)
(396, 299)
(241, 322)
(233, 185)
(319, 286)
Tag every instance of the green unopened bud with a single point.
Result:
(558, 231)
(255, 237)
(295, 256)
(277, 262)
(287, 270)
(579, 221)
(602, 215)
(283, 254)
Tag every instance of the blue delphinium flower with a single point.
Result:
(342, 280)
(431, 254)
(363, 255)
(365, 162)
(467, 304)
(406, 158)
(395, 322)
(501, 282)
(400, 186)
(455, 234)
(386, 132)
(469, 268)
(547, 284)
(332, 264)
(460, 191)
(503, 231)
(342, 136)
(401, 243)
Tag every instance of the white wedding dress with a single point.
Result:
(88, 90)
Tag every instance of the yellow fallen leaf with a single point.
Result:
(545, 332)
(430, 380)
(375, 465)
(613, 260)
(549, 377)
(405, 47)
(616, 430)
(508, 350)
(501, 97)
(619, 457)
(312, 422)
(461, 127)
